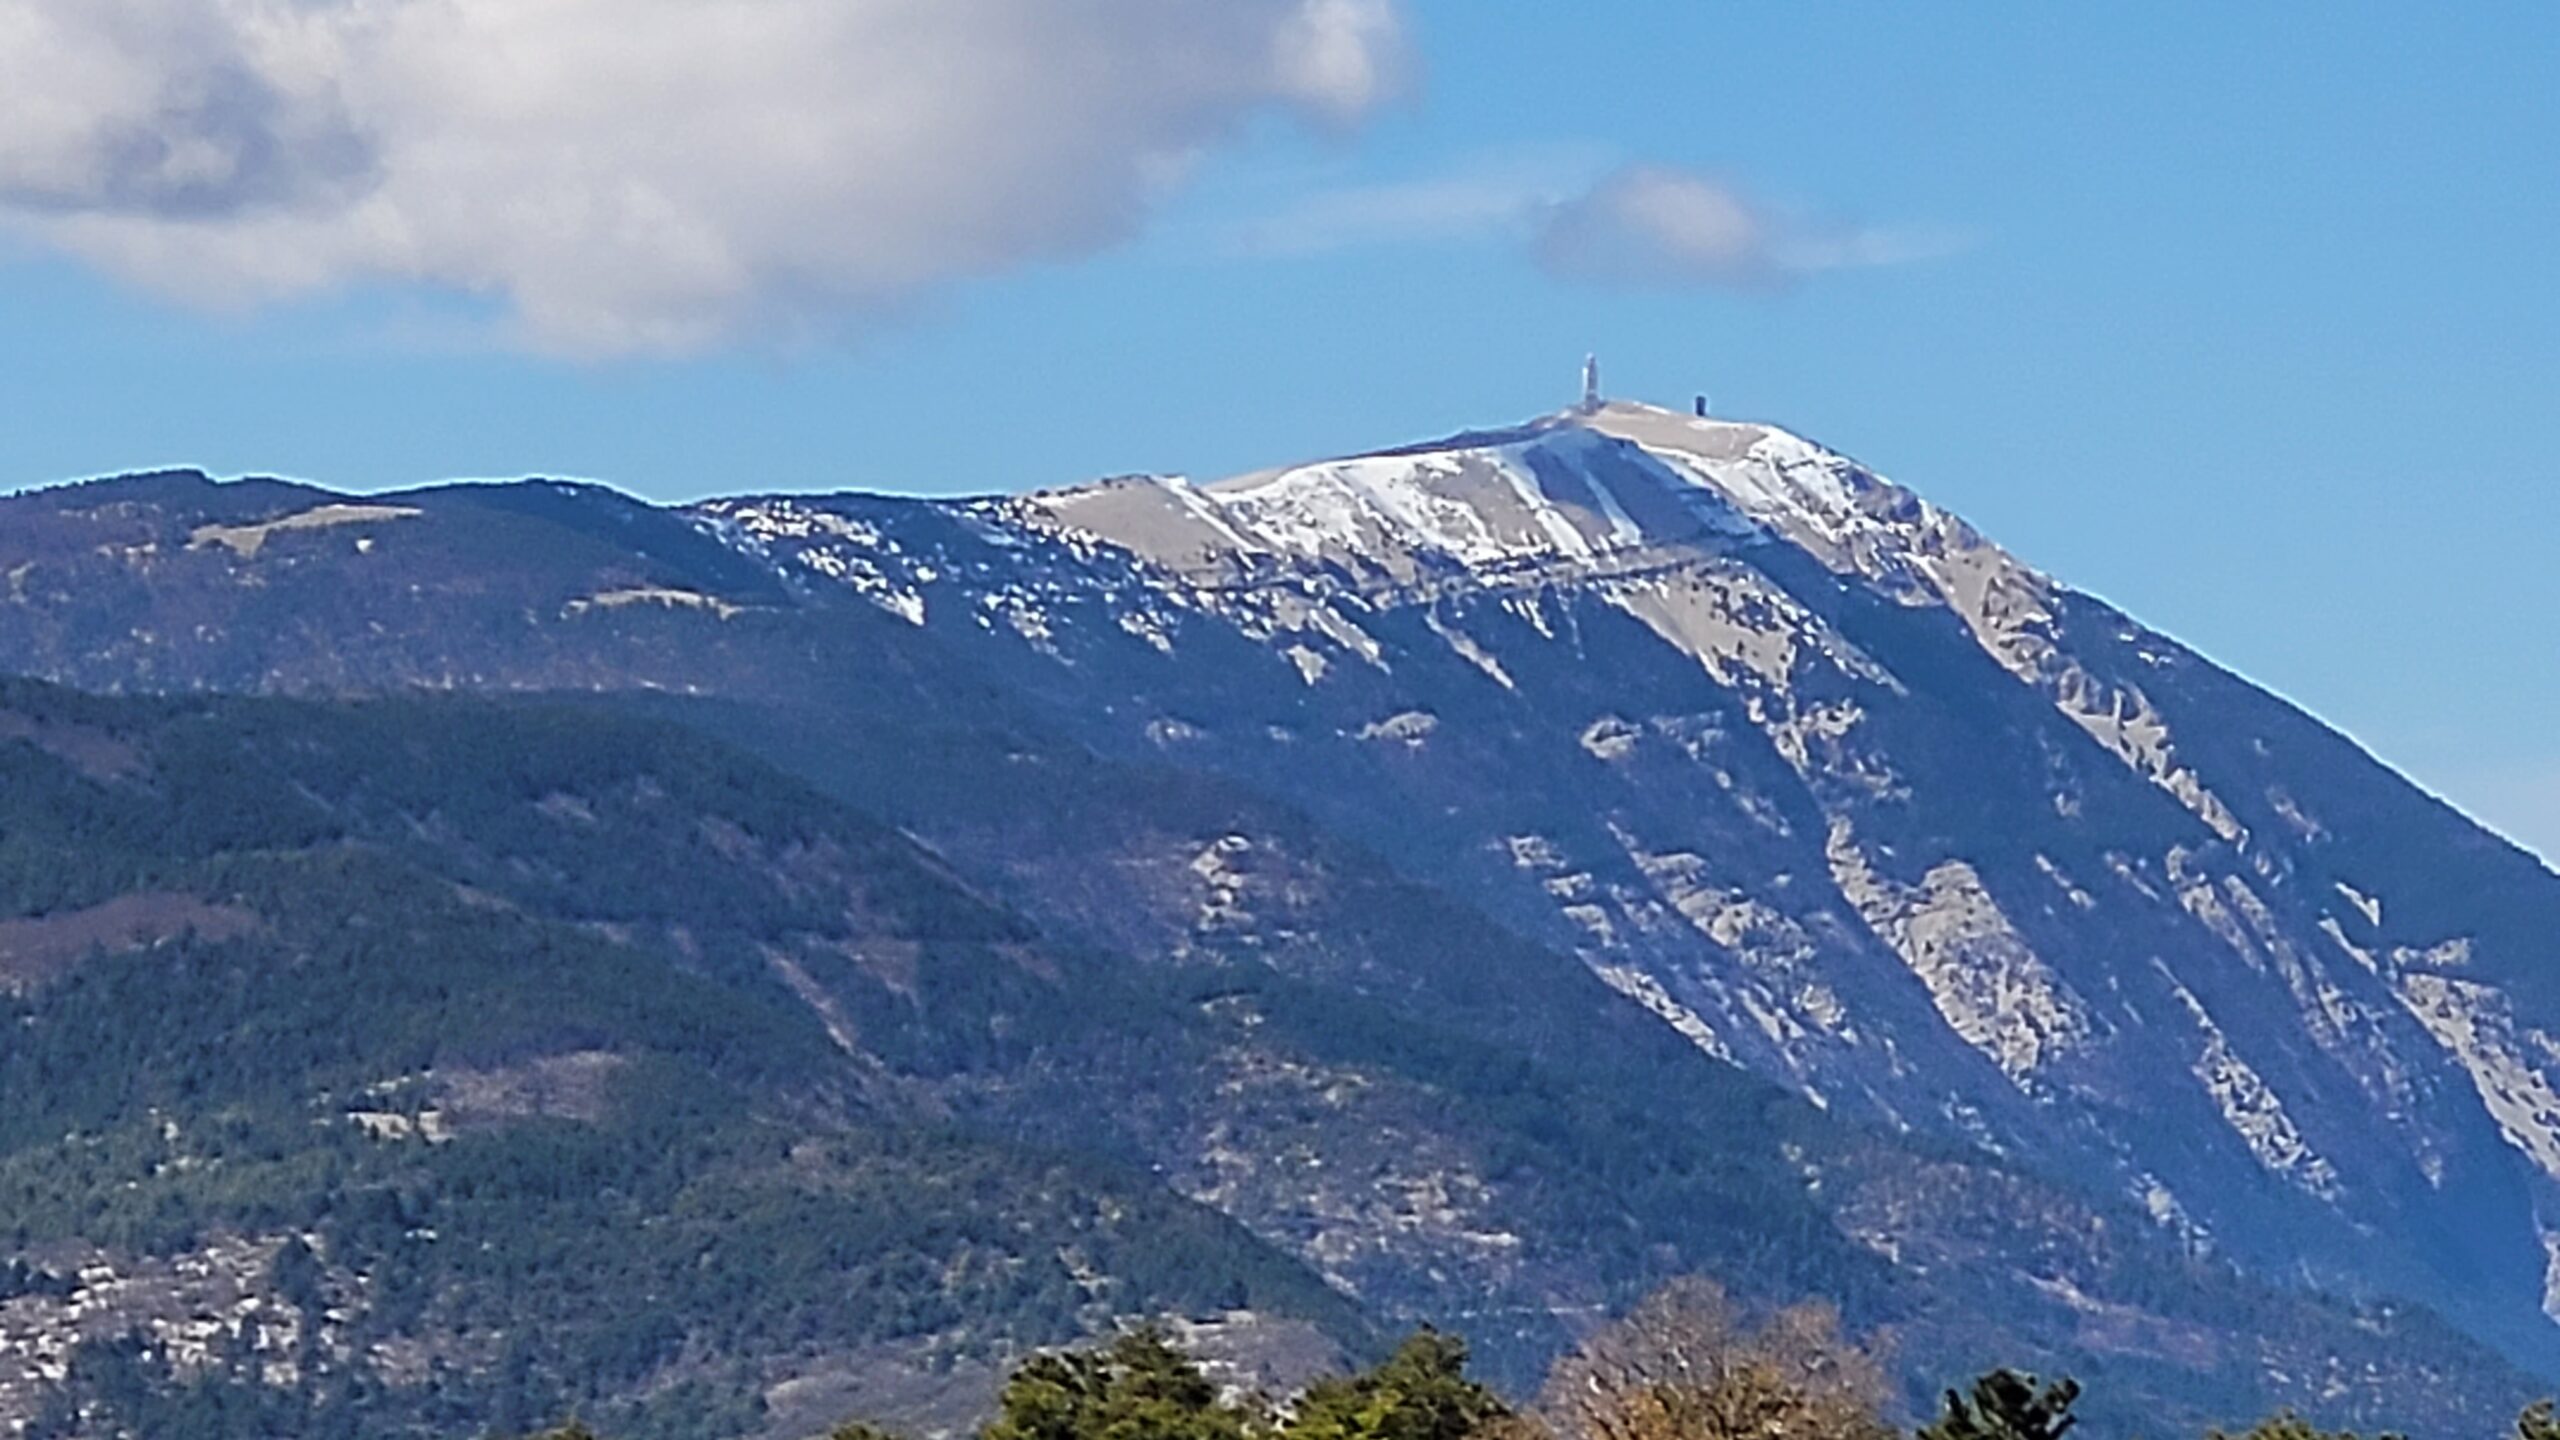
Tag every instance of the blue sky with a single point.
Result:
(2246, 318)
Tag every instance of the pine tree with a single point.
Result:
(1419, 1393)
(1139, 1387)
(2006, 1405)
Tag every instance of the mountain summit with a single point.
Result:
(1632, 747)
(1597, 486)
(1838, 789)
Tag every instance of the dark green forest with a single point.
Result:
(734, 1186)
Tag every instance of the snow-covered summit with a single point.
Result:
(1777, 477)
(1580, 486)
(1607, 489)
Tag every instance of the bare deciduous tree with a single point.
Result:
(1685, 1365)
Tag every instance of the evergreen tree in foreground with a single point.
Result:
(1138, 1387)
(2006, 1405)
(1420, 1393)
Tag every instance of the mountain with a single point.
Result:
(1473, 816)
(1840, 791)
(426, 1066)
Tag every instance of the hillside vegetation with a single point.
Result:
(435, 1066)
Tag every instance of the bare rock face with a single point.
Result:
(1793, 770)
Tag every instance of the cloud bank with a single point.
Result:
(1656, 226)
(638, 176)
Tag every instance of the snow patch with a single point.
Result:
(660, 595)
(2370, 907)
(1610, 738)
(1147, 627)
(1466, 648)
(1331, 624)
(1408, 728)
(2079, 898)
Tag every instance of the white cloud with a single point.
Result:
(1652, 225)
(1584, 217)
(1496, 193)
(637, 176)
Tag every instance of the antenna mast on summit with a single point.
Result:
(1590, 383)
